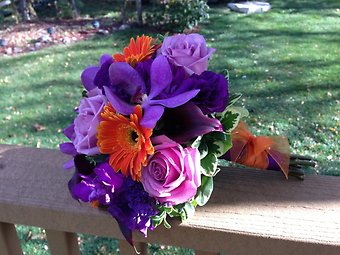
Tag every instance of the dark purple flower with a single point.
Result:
(186, 122)
(128, 88)
(213, 95)
(133, 207)
(94, 76)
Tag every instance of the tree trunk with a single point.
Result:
(15, 12)
(22, 8)
(75, 13)
(30, 9)
(139, 12)
(124, 10)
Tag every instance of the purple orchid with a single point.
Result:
(98, 186)
(94, 76)
(128, 88)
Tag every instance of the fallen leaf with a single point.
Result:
(38, 127)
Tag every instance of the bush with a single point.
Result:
(176, 15)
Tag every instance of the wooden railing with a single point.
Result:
(250, 212)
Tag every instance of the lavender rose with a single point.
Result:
(189, 51)
(173, 173)
(85, 124)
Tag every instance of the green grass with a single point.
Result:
(284, 62)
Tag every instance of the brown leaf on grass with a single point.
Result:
(38, 127)
(28, 235)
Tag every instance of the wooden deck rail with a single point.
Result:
(250, 212)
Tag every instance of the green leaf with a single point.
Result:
(203, 149)
(241, 110)
(223, 146)
(196, 143)
(233, 99)
(209, 165)
(187, 211)
(159, 218)
(204, 191)
(229, 120)
(96, 159)
(218, 143)
(166, 223)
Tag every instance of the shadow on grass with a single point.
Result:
(305, 4)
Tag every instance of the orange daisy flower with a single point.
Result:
(137, 51)
(125, 140)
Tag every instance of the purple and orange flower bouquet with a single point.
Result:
(150, 130)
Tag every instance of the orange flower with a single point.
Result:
(127, 143)
(137, 51)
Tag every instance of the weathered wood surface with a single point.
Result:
(250, 212)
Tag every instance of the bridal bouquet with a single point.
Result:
(150, 129)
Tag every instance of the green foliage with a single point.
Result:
(176, 15)
(212, 146)
(204, 191)
(232, 114)
(64, 9)
(182, 211)
(97, 159)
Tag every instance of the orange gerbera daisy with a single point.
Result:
(137, 51)
(125, 140)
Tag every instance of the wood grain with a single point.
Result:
(250, 211)
(9, 241)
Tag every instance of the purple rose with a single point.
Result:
(173, 173)
(86, 123)
(189, 51)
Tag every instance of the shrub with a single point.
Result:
(176, 15)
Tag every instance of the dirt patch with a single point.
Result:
(32, 36)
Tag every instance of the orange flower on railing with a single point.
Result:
(257, 152)
(137, 51)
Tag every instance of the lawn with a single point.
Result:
(284, 62)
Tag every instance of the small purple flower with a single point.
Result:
(189, 51)
(173, 172)
(128, 88)
(133, 208)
